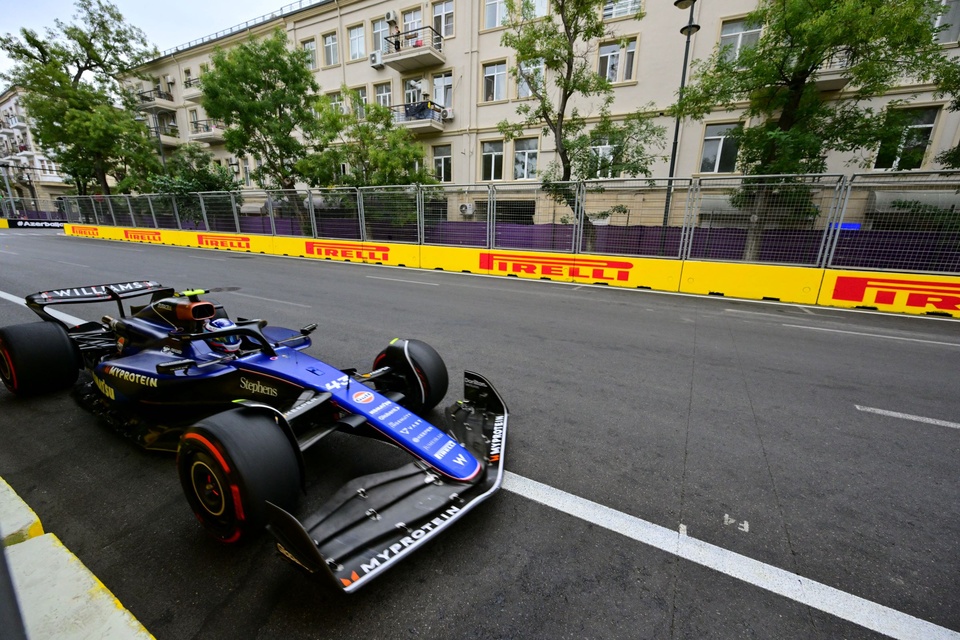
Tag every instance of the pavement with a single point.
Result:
(58, 597)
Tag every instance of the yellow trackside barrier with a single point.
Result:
(398, 255)
(4, 224)
(904, 293)
(459, 259)
(752, 281)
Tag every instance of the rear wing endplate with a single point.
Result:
(117, 292)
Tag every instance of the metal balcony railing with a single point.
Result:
(171, 130)
(413, 111)
(192, 82)
(412, 38)
(153, 95)
(205, 126)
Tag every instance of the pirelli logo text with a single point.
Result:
(347, 251)
(89, 232)
(213, 241)
(547, 266)
(919, 294)
(143, 235)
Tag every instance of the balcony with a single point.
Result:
(420, 117)
(24, 149)
(413, 50)
(192, 91)
(834, 74)
(169, 135)
(155, 100)
(17, 122)
(207, 131)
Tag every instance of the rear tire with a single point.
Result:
(230, 465)
(417, 371)
(37, 357)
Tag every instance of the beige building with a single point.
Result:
(441, 67)
(27, 171)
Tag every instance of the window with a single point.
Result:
(331, 52)
(443, 163)
(737, 35)
(617, 62)
(336, 101)
(525, 159)
(187, 78)
(194, 118)
(602, 152)
(360, 103)
(719, 150)
(310, 46)
(620, 8)
(539, 8)
(411, 90)
(494, 81)
(534, 70)
(949, 20)
(358, 46)
(492, 161)
(412, 20)
(907, 153)
(443, 89)
(494, 13)
(380, 30)
(443, 18)
(383, 94)
(246, 172)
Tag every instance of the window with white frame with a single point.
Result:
(617, 60)
(525, 159)
(908, 152)
(412, 20)
(443, 163)
(531, 71)
(379, 29)
(948, 21)
(494, 13)
(719, 149)
(383, 94)
(737, 35)
(540, 8)
(358, 45)
(360, 102)
(620, 8)
(443, 89)
(602, 152)
(336, 101)
(491, 160)
(494, 81)
(247, 181)
(310, 46)
(443, 18)
(412, 91)
(331, 51)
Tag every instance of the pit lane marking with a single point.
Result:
(865, 613)
(875, 335)
(907, 416)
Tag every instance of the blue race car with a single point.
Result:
(239, 401)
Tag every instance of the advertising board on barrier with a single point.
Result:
(935, 295)
(152, 236)
(35, 224)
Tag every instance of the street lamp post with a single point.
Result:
(687, 31)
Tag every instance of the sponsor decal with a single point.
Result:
(89, 232)
(96, 292)
(342, 381)
(363, 397)
(347, 251)
(35, 224)
(130, 376)
(496, 442)
(444, 450)
(546, 266)
(397, 548)
(215, 241)
(919, 294)
(143, 235)
(255, 386)
(460, 459)
(105, 389)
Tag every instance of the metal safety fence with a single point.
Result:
(895, 221)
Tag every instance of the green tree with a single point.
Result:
(555, 61)
(191, 170)
(366, 141)
(794, 122)
(70, 78)
(264, 93)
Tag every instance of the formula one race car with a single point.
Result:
(239, 401)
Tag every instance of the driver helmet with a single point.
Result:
(227, 344)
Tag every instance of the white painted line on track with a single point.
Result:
(74, 264)
(875, 335)
(65, 317)
(870, 615)
(907, 416)
(429, 284)
(246, 295)
(12, 253)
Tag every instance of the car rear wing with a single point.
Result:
(374, 521)
(118, 292)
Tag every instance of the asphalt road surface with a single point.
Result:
(680, 467)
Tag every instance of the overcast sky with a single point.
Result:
(167, 24)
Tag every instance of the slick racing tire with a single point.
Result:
(37, 357)
(230, 465)
(416, 370)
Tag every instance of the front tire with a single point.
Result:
(417, 371)
(37, 357)
(230, 465)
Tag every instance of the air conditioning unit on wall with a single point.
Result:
(376, 59)
(446, 114)
(466, 209)
(390, 16)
